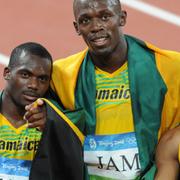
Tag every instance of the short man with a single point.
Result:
(27, 78)
(168, 156)
(128, 89)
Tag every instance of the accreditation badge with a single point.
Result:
(111, 157)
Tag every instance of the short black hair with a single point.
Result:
(29, 47)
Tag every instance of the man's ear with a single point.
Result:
(76, 27)
(6, 73)
(123, 17)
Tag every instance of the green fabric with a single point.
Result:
(94, 177)
(77, 116)
(85, 95)
(150, 174)
(147, 92)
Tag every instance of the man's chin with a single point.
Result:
(27, 102)
(101, 51)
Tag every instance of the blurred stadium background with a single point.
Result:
(50, 22)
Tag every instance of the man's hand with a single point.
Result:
(36, 115)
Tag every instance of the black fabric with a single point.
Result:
(54, 98)
(60, 154)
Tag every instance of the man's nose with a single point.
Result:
(97, 25)
(33, 83)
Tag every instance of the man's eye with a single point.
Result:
(85, 21)
(105, 17)
(43, 79)
(24, 75)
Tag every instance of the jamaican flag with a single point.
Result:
(154, 79)
(59, 156)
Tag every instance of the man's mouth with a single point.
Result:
(100, 41)
(29, 96)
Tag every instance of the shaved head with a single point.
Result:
(94, 3)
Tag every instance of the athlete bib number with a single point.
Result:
(112, 157)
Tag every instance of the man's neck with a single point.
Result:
(113, 61)
(109, 64)
(13, 113)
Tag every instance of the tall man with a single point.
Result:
(128, 89)
(27, 78)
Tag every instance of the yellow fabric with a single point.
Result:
(67, 120)
(64, 76)
(168, 64)
(18, 143)
(113, 102)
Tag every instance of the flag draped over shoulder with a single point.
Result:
(59, 156)
(153, 74)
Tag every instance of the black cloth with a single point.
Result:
(60, 152)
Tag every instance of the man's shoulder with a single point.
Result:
(172, 136)
(164, 58)
(75, 58)
(176, 134)
(168, 63)
(172, 56)
(168, 57)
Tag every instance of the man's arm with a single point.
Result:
(167, 156)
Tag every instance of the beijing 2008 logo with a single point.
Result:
(92, 143)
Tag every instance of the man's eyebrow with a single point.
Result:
(83, 15)
(105, 11)
(100, 12)
(44, 75)
(25, 69)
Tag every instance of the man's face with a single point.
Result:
(28, 79)
(99, 23)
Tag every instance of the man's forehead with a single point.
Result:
(95, 3)
(26, 59)
(33, 66)
(81, 5)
